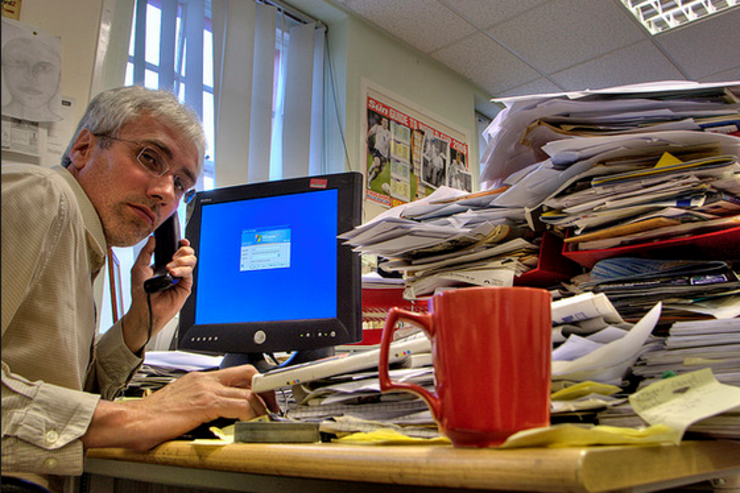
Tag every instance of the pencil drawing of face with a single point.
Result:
(32, 73)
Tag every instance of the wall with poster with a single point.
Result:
(74, 27)
(409, 152)
(360, 55)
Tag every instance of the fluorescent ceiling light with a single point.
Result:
(661, 15)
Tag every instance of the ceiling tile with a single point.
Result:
(424, 24)
(562, 33)
(487, 13)
(728, 76)
(707, 47)
(625, 66)
(486, 63)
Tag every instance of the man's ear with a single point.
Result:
(82, 149)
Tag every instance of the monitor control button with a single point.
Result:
(260, 337)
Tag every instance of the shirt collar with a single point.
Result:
(90, 216)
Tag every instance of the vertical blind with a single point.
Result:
(267, 82)
(264, 129)
(229, 60)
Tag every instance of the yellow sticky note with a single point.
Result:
(572, 435)
(583, 389)
(667, 159)
(388, 436)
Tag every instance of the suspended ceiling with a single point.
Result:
(517, 47)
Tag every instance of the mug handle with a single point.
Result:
(424, 322)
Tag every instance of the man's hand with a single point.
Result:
(193, 399)
(165, 304)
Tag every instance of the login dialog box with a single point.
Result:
(265, 249)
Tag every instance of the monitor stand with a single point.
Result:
(258, 359)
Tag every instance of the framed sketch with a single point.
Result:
(31, 73)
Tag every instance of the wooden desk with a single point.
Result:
(336, 467)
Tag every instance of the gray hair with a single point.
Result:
(110, 110)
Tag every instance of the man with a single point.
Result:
(135, 154)
(381, 148)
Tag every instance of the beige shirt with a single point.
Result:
(53, 374)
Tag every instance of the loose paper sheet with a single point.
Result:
(681, 401)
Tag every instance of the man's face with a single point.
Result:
(32, 71)
(130, 200)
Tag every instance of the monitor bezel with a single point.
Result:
(293, 335)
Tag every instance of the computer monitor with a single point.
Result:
(272, 276)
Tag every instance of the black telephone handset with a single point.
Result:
(168, 241)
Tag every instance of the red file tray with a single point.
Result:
(717, 245)
(552, 268)
(376, 302)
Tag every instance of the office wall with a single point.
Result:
(361, 54)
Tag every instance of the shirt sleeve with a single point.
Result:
(35, 440)
(114, 365)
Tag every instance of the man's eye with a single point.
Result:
(152, 160)
(181, 185)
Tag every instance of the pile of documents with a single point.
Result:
(353, 402)
(598, 346)
(653, 195)
(696, 403)
(519, 135)
(432, 255)
(692, 345)
(687, 288)
(163, 367)
(622, 167)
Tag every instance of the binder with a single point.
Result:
(716, 245)
(552, 267)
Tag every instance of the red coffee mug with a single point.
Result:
(491, 354)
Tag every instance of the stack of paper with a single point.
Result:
(695, 402)
(657, 197)
(621, 166)
(434, 256)
(612, 168)
(518, 133)
(686, 287)
(356, 396)
(607, 356)
(163, 367)
(692, 345)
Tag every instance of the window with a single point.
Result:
(173, 45)
(159, 59)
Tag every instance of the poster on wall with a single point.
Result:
(409, 153)
(31, 75)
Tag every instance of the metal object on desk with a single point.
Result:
(276, 432)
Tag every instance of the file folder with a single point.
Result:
(716, 245)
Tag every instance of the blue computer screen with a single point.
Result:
(268, 259)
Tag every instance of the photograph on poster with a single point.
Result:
(434, 163)
(408, 157)
(31, 73)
